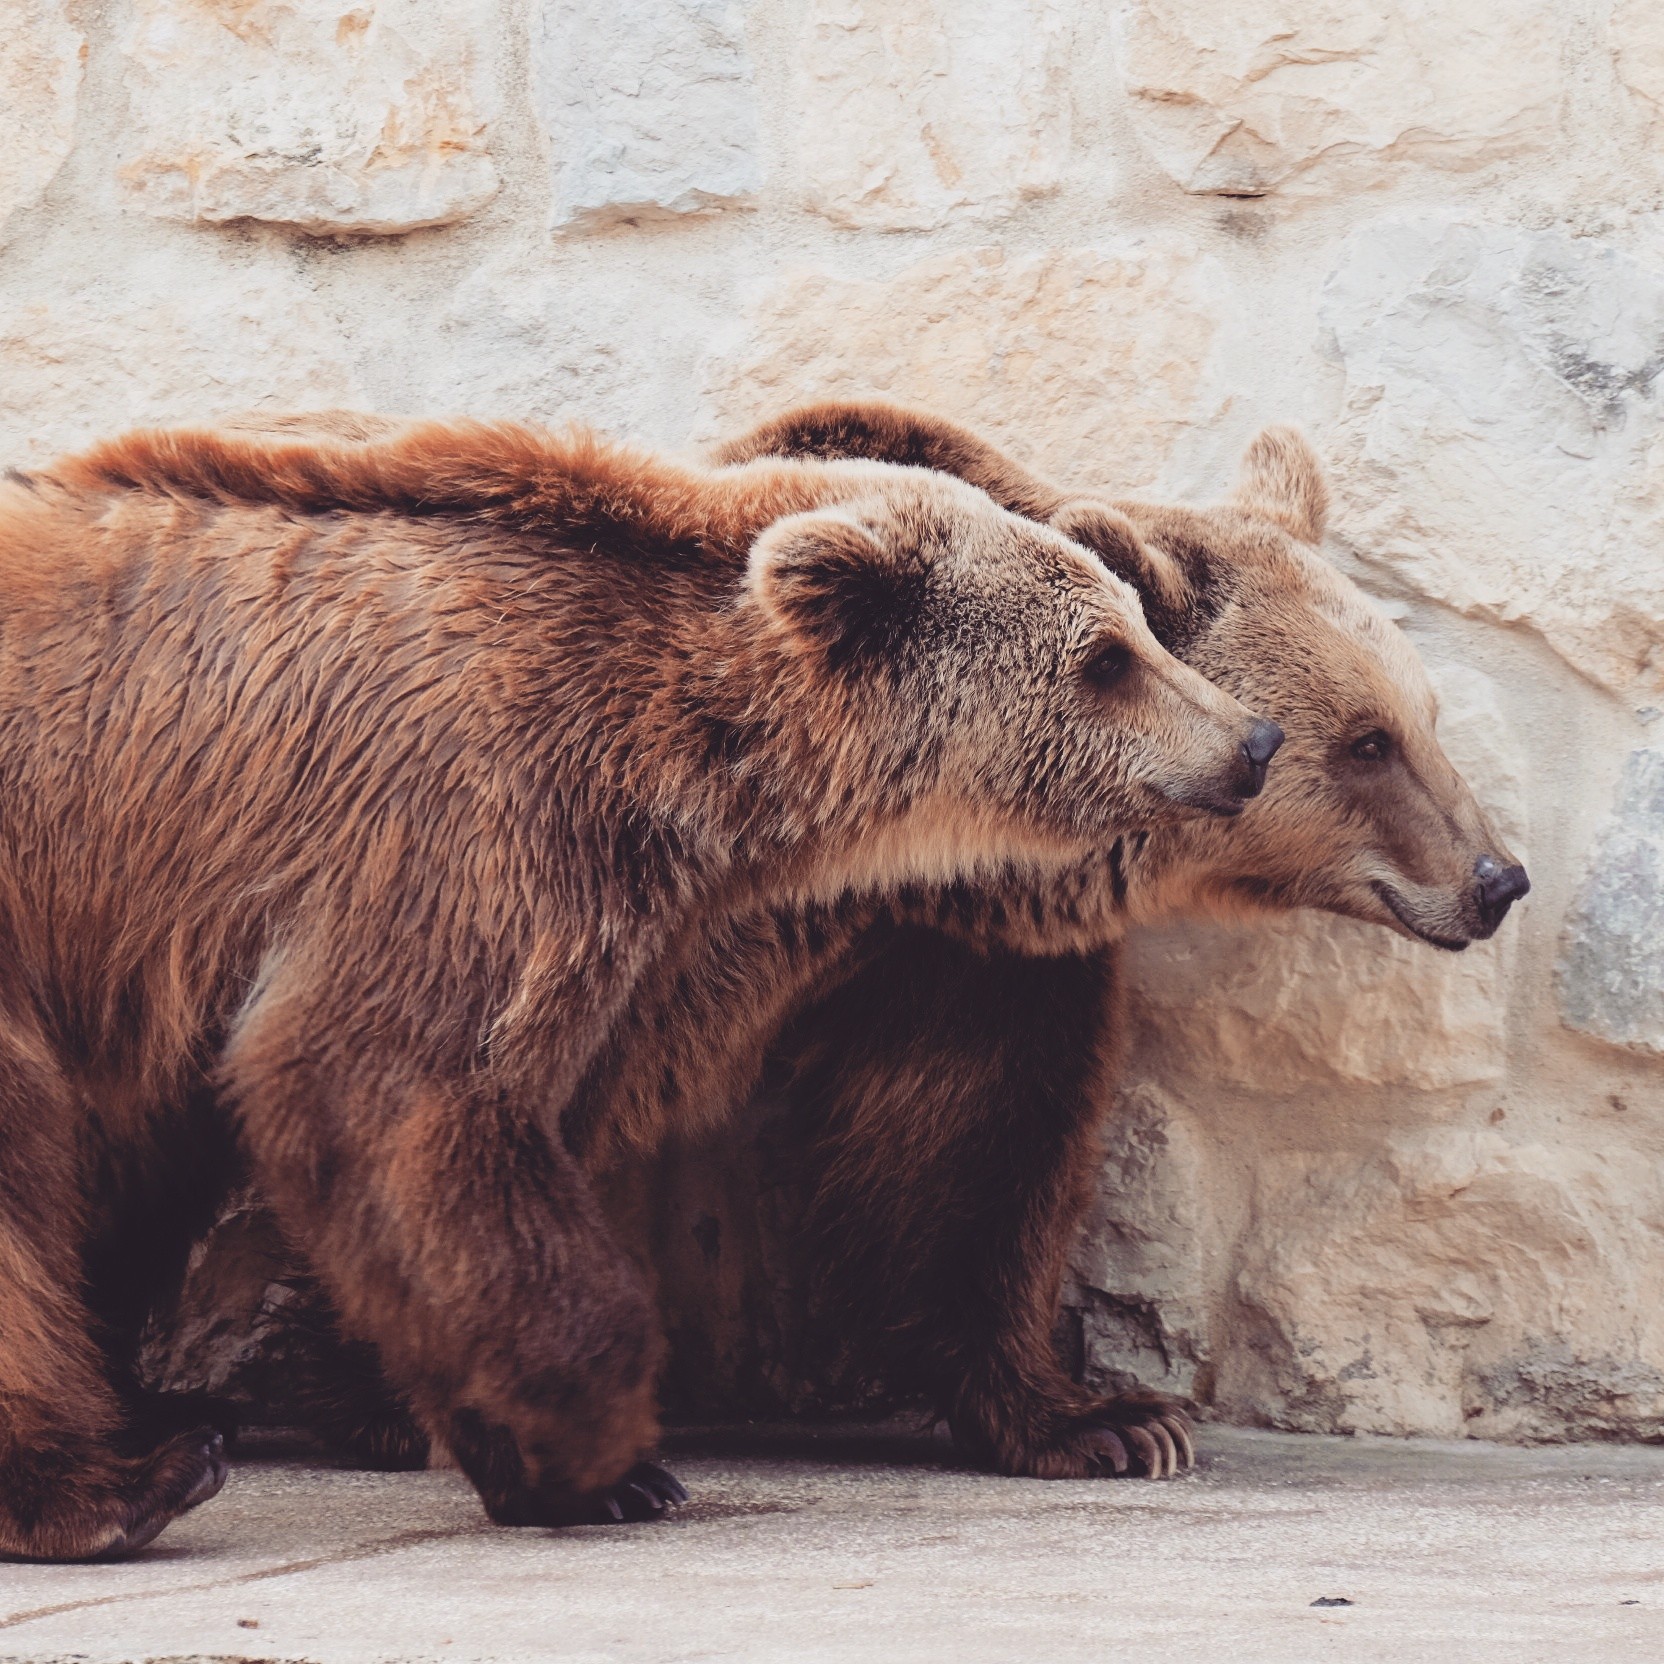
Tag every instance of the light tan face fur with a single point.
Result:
(1009, 669)
(1363, 814)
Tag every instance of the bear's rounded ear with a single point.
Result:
(1114, 539)
(826, 581)
(1282, 480)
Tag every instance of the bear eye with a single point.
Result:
(1373, 747)
(1108, 663)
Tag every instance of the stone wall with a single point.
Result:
(1353, 1184)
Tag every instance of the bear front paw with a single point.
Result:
(644, 1493)
(110, 1515)
(186, 1472)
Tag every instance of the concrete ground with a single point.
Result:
(816, 1549)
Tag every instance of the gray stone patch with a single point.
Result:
(1611, 971)
(1593, 1398)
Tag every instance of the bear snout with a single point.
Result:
(1257, 751)
(1239, 776)
(1497, 889)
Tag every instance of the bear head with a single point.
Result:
(988, 677)
(1365, 815)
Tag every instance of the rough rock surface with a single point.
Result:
(648, 106)
(226, 1336)
(1611, 971)
(909, 116)
(1499, 449)
(1311, 95)
(324, 115)
(578, 342)
(1090, 361)
(1311, 1000)
(42, 54)
(1463, 1271)
(1636, 32)
(1137, 1304)
(168, 348)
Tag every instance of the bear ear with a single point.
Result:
(1281, 479)
(1113, 538)
(828, 583)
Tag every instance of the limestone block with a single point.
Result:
(1311, 1000)
(597, 339)
(1611, 970)
(1453, 1283)
(41, 58)
(1314, 95)
(1090, 363)
(1636, 32)
(1499, 449)
(324, 115)
(648, 106)
(910, 115)
(166, 345)
(1138, 1292)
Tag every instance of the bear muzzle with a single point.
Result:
(1245, 777)
(1497, 889)
(1257, 751)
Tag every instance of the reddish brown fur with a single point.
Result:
(952, 1047)
(353, 786)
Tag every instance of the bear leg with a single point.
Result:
(340, 1391)
(67, 1489)
(451, 1231)
(960, 1096)
(74, 1482)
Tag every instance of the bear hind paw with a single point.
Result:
(1140, 1434)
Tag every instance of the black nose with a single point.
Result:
(1499, 888)
(1258, 750)
(1262, 742)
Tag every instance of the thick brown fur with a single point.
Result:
(959, 1075)
(349, 784)
(958, 1058)
(954, 1046)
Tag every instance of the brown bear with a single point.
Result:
(949, 1051)
(349, 788)
(988, 1015)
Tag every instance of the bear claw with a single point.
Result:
(644, 1493)
(1151, 1437)
(1109, 1450)
(186, 1473)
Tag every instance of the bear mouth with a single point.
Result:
(1395, 904)
(1207, 803)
